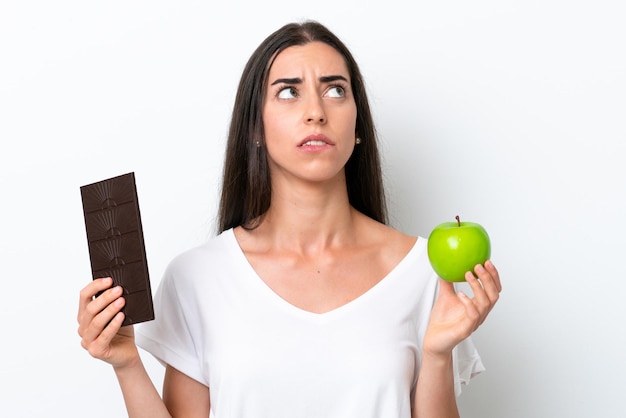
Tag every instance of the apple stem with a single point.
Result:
(458, 220)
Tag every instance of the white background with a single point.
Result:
(508, 113)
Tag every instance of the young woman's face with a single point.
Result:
(309, 114)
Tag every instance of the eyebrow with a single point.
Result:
(297, 80)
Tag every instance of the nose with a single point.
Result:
(315, 111)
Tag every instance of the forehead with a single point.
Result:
(318, 57)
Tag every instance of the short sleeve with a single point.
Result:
(169, 336)
(467, 364)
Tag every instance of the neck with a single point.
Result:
(311, 218)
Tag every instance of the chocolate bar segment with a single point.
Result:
(116, 243)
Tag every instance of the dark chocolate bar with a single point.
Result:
(116, 243)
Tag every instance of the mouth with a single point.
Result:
(317, 140)
(312, 143)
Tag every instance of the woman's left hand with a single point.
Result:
(455, 315)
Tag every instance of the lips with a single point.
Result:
(312, 143)
(317, 140)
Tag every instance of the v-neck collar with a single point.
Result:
(274, 298)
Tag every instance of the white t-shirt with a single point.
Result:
(219, 323)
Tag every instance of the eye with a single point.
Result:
(336, 91)
(287, 93)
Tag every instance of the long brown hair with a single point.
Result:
(246, 186)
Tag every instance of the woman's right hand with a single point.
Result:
(100, 324)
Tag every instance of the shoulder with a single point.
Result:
(389, 246)
(195, 280)
(385, 237)
(411, 281)
(207, 257)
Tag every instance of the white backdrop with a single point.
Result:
(508, 113)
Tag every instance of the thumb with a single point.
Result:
(446, 288)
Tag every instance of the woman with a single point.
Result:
(306, 304)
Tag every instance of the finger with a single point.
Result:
(480, 299)
(471, 311)
(100, 346)
(104, 299)
(112, 327)
(494, 273)
(446, 288)
(485, 292)
(100, 324)
(99, 311)
(90, 291)
(489, 283)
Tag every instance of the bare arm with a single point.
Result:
(434, 396)
(184, 396)
(140, 395)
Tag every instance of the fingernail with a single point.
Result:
(479, 268)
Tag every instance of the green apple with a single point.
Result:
(454, 248)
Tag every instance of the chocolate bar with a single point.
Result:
(116, 243)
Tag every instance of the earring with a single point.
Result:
(257, 143)
(358, 140)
